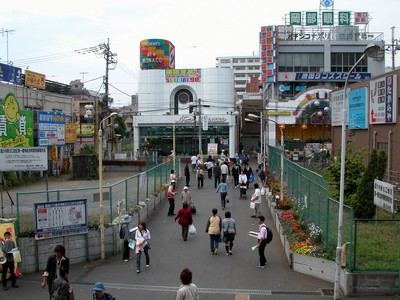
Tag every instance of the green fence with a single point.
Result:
(373, 245)
(121, 196)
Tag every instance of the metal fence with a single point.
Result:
(372, 245)
(119, 197)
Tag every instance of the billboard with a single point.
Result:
(51, 127)
(10, 74)
(55, 219)
(358, 109)
(35, 80)
(16, 125)
(157, 54)
(182, 75)
(382, 101)
(23, 159)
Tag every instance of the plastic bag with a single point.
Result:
(192, 229)
(252, 205)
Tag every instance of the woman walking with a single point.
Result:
(185, 219)
(214, 230)
(223, 189)
(200, 177)
(229, 230)
(142, 238)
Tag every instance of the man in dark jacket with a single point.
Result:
(57, 261)
(217, 175)
(62, 287)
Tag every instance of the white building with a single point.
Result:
(175, 98)
(244, 67)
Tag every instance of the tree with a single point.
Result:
(363, 203)
(353, 172)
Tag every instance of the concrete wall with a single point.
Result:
(79, 248)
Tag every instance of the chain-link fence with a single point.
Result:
(122, 196)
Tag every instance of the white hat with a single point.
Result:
(172, 181)
(127, 218)
(185, 188)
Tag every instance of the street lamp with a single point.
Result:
(370, 51)
(281, 126)
(102, 251)
(322, 113)
(174, 140)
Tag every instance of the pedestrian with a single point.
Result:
(217, 175)
(185, 219)
(223, 190)
(209, 166)
(186, 196)
(6, 246)
(200, 177)
(125, 229)
(194, 163)
(256, 199)
(224, 171)
(171, 198)
(62, 287)
(262, 241)
(100, 292)
(187, 174)
(261, 176)
(55, 263)
(188, 290)
(137, 154)
(142, 238)
(236, 170)
(229, 232)
(249, 172)
(172, 176)
(213, 228)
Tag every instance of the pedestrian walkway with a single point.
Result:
(217, 276)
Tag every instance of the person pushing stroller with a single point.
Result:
(243, 184)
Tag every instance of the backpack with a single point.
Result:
(121, 233)
(270, 235)
(55, 295)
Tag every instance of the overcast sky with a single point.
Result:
(51, 31)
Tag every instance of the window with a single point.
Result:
(343, 62)
(300, 62)
(382, 146)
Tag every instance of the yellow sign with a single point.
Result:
(70, 133)
(85, 129)
(54, 152)
(279, 113)
(35, 80)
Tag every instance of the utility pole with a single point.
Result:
(200, 124)
(110, 59)
(6, 32)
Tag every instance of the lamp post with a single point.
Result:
(174, 140)
(370, 51)
(281, 126)
(101, 221)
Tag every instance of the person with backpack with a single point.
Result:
(100, 292)
(61, 289)
(124, 234)
(213, 228)
(262, 238)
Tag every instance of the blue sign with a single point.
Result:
(358, 109)
(54, 219)
(327, 3)
(51, 128)
(10, 74)
(334, 76)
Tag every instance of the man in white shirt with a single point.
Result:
(262, 241)
(256, 199)
(224, 171)
(194, 163)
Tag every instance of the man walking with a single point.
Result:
(171, 198)
(217, 175)
(125, 229)
(187, 174)
(262, 241)
(6, 246)
(224, 171)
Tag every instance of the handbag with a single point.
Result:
(252, 205)
(251, 178)
(192, 229)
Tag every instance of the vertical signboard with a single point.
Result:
(382, 101)
(51, 128)
(16, 125)
(268, 53)
(337, 99)
(358, 109)
(344, 18)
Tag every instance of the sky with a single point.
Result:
(44, 35)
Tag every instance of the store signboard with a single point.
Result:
(23, 159)
(51, 127)
(358, 109)
(382, 101)
(337, 99)
(10, 74)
